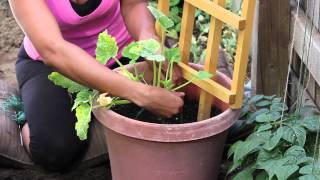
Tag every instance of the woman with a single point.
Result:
(62, 35)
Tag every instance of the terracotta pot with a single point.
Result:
(146, 151)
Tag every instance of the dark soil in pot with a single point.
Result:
(187, 115)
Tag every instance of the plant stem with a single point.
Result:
(167, 73)
(122, 102)
(121, 65)
(118, 62)
(159, 74)
(154, 73)
(183, 85)
(171, 70)
(135, 70)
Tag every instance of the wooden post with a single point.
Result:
(272, 54)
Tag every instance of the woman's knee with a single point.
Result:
(56, 152)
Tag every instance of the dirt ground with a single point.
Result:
(10, 41)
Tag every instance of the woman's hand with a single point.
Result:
(160, 101)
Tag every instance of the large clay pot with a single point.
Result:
(146, 151)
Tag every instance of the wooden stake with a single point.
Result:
(187, 23)
(242, 54)
(211, 62)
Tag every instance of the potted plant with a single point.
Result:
(141, 145)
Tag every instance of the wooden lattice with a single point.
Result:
(219, 15)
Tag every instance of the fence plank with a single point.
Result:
(301, 45)
(312, 9)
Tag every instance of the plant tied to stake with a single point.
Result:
(106, 51)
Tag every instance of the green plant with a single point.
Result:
(106, 50)
(202, 27)
(14, 105)
(280, 147)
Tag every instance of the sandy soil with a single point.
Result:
(10, 40)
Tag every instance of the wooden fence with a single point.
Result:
(270, 52)
(306, 59)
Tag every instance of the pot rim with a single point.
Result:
(167, 132)
(170, 132)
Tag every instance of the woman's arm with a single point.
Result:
(40, 26)
(133, 11)
(139, 21)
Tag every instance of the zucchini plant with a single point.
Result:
(107, 50)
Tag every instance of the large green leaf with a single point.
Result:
(273, 142)
(255, 99)
(264, 127)
(309, 177)
(284, 172)
(84, 96)
(106, 48)
(234, 147)
(295, 151)
(265, 155)
(279, 168)
(278, 107)
(156, 57)
(262, 176)
(268, 166)
(268, 117)
(312, 123)
(312, 169)
(250, 145)
(164, 21)
(301, 134)
(234, 166)
(282, 167)
(173, 55)
(126, 51)
(150, 45)
(263, 103)
(252, 116)
(64, 82)
(83, 114)
(296, 155)
(245, 174)
(147, 49)
(288, 134)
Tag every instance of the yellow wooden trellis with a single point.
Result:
(219, 15)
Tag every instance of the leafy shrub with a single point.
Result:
(280, 147)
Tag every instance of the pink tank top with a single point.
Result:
(84, 31)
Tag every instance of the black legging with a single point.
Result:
(53, 141)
